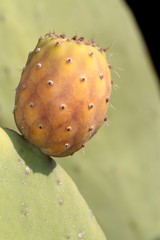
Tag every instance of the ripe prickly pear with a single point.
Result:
(62, 98)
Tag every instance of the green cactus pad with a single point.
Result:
(38, 199)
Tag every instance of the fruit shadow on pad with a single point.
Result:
(34, 159)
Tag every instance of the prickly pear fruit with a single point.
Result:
(38, 199)
(62, 98)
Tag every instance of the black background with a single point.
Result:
(147, 14)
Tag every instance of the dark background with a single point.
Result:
(147, 15)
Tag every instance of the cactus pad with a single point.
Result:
(38, 199)
(63, 94)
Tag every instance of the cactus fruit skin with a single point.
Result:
(62, 98)
(38, 198)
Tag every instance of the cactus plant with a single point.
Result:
(38, 199)
(126, 175)
(63, 94)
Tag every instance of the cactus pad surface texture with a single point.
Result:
(38, 199)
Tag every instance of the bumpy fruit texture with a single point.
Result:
(38, 200)
(63, 94)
